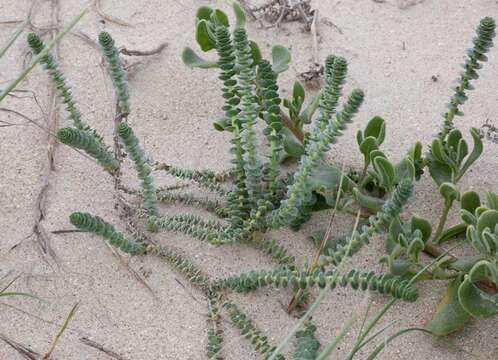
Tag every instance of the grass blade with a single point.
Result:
(13, 38)
(381, 347)
(43, 53)
(69, 317)
(331, 347)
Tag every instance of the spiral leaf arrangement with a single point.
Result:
(215, 332)
(194, 226)
(257, 200)
(247, 76)
(205, 178)
(272, 248)
(59, 79)
(267, 81)
(238, 200)
(87, 142)
(116, 71)
(183, 265)
(213, 206)
(336, 69)
(376, 224)
(95, 224)
(249, 331)
(142, 166)
(324, 133)
(475, 56)
(384, 284)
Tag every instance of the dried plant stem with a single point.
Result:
(23, 350)
(155, 51)
(105, 16)
(101, 348)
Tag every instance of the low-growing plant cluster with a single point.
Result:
(256, 195)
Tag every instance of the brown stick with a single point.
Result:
(155, 51)
(53, 123)
(23, 350)
(108, 17)
(288, 124)
(100, 347)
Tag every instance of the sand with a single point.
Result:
(394, 49)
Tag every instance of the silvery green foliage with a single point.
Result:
(97, 225)
(59, 79)
(300, 279)
(248, 115)
(85, 141)
(137, 154)
(376, 224)
(324, 133)
(116, 71)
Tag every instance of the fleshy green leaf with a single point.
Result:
(203, 37)
(476, 152)
(298, 93)
(449, 192)
(292, 145)
(423, 225)
(492, 199)
(452, 232)
(326, 179)
(204, 13)
(450, 316)
(470, 201)
(240, 15)
(440, 172)
(487, 219)
(221, 18)
(405, 169)
(385, 170)
(376, 127)
(369, 202)
(367, 145)
(256, 53)
(281, 58)
(474, 300)
(191, 59)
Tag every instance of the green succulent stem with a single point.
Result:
(475, 56)
(87, 142)
(205, 178)
(214, 332)
(248, 115)
(390, 284)
(116, 71)
(142, 166)
(183, 265)
(324, 133)
(95, 224)
(249, 331)
(53, 68)
(205, 203)
(376, 224)
(238, 200)
(194, 226)
(272, 248)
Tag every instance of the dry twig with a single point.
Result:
(101, 348)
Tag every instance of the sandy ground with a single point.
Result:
(394, 48)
